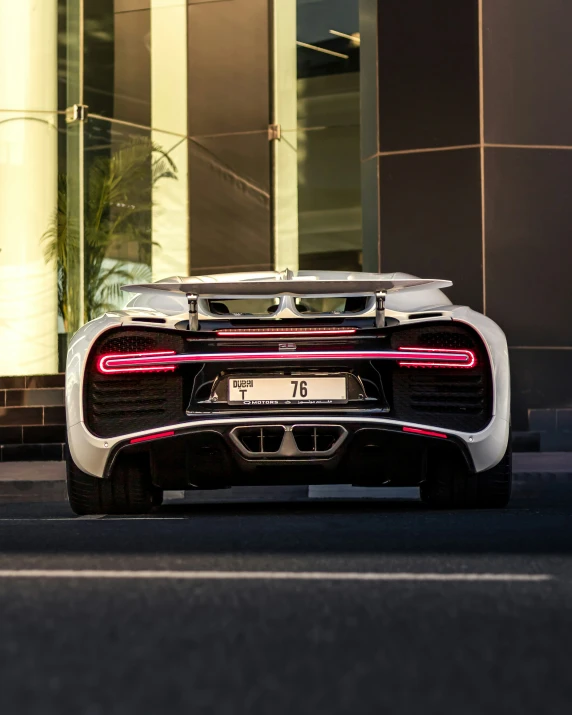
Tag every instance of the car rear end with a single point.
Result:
(319, 397)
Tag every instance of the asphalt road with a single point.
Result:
(338, 608)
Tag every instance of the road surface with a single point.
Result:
(276, 608)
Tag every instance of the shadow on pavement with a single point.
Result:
(532, 526)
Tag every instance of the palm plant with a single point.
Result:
(117, 207)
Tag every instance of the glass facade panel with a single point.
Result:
(322, 214)
(131, 181)
(230, 203)
(117, 60)
(135, 144)
(68, 237)
(329, 209)
(93, 164)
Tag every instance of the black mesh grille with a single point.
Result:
(120, 404)
(459, 399)
(126, 343)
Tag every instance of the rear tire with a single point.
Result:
(450, 485)
(129, 491)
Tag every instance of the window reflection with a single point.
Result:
(329, 201)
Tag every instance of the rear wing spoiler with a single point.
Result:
(296, 287)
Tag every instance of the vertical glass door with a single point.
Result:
(317, 166)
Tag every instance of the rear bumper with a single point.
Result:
(180, 449)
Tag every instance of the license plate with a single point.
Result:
(286, 390)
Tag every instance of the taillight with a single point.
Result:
(282, 332)
(441, 358)
(135, 362)
(166, 361)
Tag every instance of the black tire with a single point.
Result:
(450, 485)
(129, 491)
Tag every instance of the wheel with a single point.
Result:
(450, 485)
(129, 491)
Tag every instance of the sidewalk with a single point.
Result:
(32, 482)
(45, 481)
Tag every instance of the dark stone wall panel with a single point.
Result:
(528, 71)
(431, 219)
(528, 244)
(428, 73)
(540, 378)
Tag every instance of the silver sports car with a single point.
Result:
(276, 378)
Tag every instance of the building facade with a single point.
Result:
(146, 138)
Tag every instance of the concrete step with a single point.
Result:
(52, 452)
(554, 427)
(526, 441)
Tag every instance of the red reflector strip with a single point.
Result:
(280, 332)
(149, 437)
(157, 362)
(424, 432)
(443, 358)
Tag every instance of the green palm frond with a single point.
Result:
(118, 202)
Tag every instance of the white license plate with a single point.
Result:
(286, 390)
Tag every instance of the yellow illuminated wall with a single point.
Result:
(28, 185)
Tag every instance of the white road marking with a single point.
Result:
(90, 517)
(103, 516)
(268, 575)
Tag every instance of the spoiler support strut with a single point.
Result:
(192, 299)
(380, 297)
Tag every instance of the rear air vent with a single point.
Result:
(116, 405)
(279, 442)
(149, 320)
(121, 404)
(260, 440)
(316, 438)
(448, 398)
(421, 316)
(451, 394)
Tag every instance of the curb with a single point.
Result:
(542, 478)
(21, 490)
(525, 484)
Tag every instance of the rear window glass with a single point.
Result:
(243, 306)
(338, 304)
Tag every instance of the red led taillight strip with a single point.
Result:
(470, 359)
(157, 362)
(104, 363)
(281, 332)
(424, 432)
